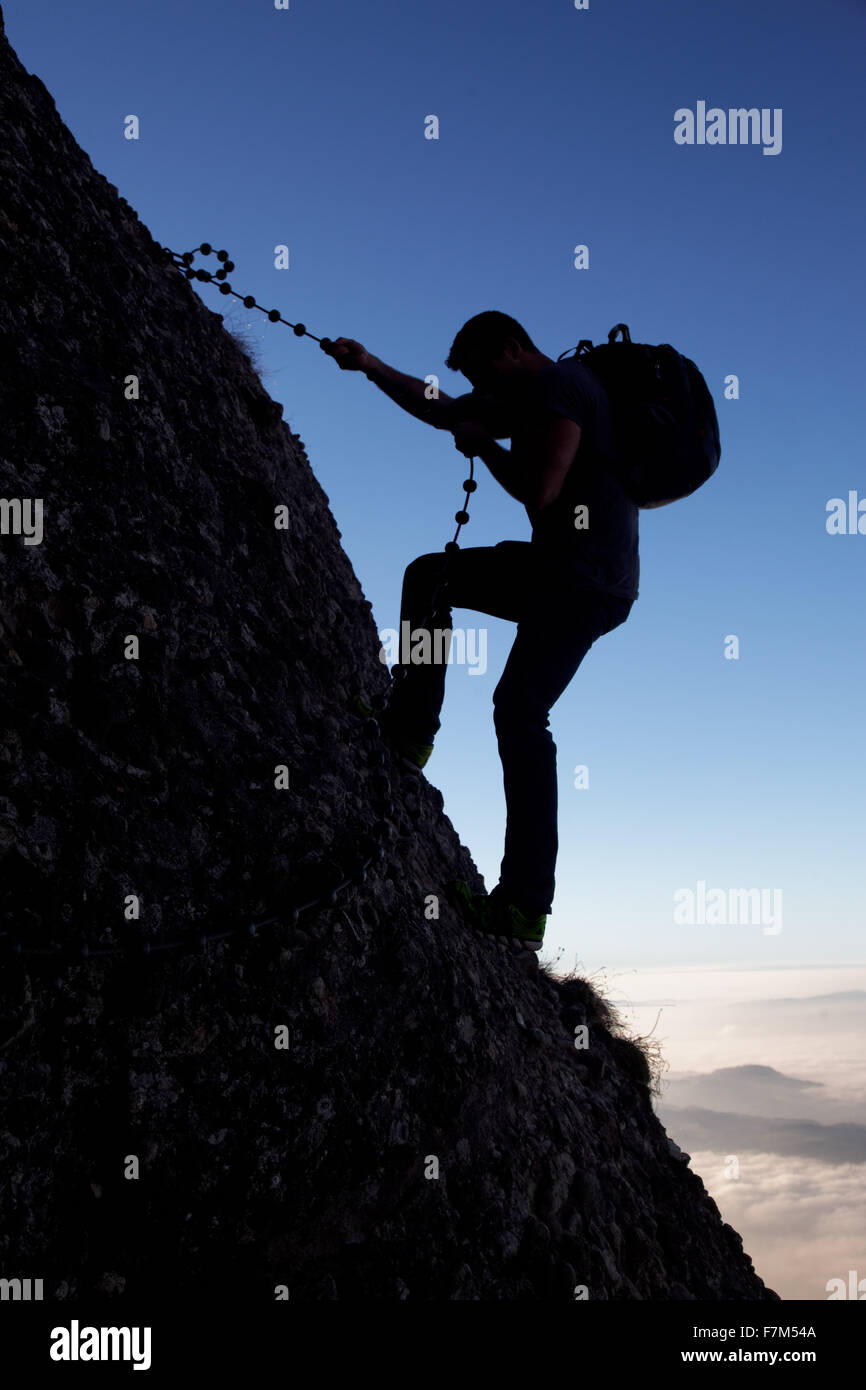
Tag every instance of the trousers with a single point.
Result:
(558, 618)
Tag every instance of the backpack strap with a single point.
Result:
(586, 345)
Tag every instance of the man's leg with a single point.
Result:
(554, 636)
(488, 579)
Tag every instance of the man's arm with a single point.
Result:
(534, 469)
(547, 451)
(474, 441)
(409, 392)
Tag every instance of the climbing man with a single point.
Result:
(573, 581)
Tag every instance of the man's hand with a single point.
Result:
(349, 355)
(471, 439)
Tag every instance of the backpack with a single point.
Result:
(665, 421)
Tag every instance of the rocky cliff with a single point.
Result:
(360, 1100)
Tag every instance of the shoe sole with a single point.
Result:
(525, 943)
(406, 763)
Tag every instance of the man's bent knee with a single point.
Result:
(425, 563)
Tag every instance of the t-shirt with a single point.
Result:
(604, 555)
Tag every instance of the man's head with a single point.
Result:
(494, 351)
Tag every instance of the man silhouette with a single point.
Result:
(574, 581)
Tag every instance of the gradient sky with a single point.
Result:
(306, 127)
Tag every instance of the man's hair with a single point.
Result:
(483, 337)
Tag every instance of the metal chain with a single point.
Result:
(382, 830)
(184, 259)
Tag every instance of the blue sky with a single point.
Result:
(306, 127)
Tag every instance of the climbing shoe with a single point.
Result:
(492, 914)
(412, 752)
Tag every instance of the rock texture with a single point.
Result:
(413, 1045)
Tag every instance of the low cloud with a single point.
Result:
(803, 1223)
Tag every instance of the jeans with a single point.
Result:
(558, 619)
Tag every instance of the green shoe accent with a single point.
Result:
(462, 897)
(415, 753)
(490, 913)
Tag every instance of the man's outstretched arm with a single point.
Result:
(409, 392)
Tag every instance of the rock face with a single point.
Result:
(430, 1130)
